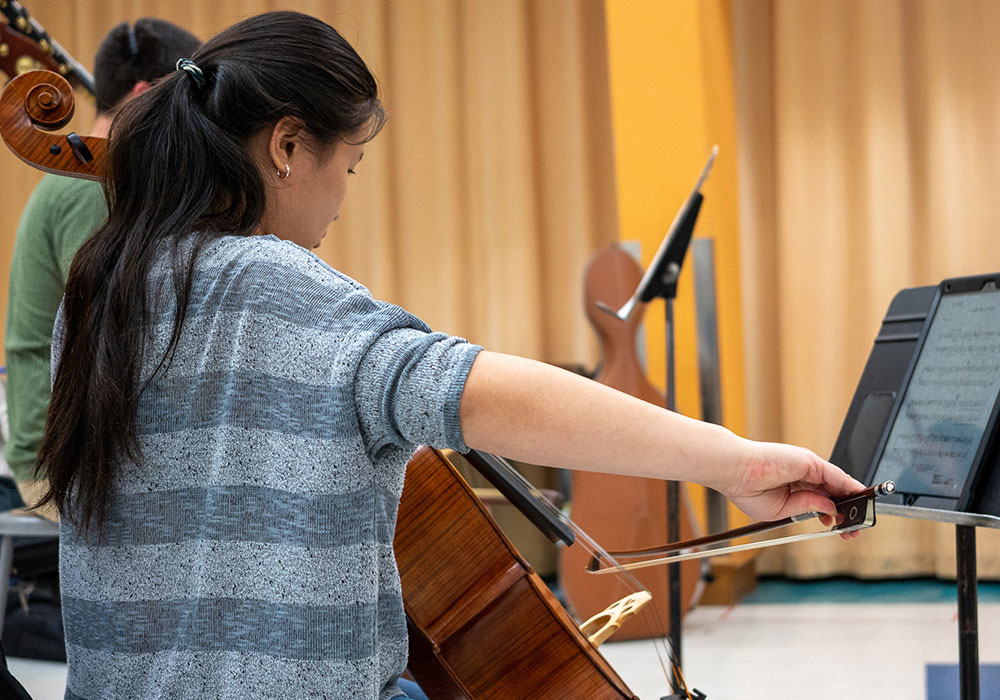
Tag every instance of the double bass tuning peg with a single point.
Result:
(79, 148)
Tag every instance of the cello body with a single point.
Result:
(621, 512)
(482, 624)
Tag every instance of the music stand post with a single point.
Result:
(968, 611)
(666, 289)
(660, 282)
(966, 583)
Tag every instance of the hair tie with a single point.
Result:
(193, 71)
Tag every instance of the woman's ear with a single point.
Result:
(286, 142)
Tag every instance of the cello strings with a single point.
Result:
(661, 644)
(664, 649)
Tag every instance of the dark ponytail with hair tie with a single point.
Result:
(180, 169)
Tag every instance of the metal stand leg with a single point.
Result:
(968, 612)
(673, 501)
(674, 570)
(6, 561)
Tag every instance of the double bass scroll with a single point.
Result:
(38, 102)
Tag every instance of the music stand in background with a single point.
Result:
(660, 282)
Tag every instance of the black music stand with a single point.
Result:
(857, 446)
(660, 282)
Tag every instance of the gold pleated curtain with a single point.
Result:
(869, 135)
(492, 183)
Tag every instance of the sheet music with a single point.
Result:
(940, 424)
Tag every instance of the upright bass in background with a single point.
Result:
(622, 512)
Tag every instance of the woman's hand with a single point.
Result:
(776, 481)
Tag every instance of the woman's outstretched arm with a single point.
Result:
(538, 413)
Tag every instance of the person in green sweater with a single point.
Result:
(60, 215)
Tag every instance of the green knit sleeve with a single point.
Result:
(60, 215)
(83, 211)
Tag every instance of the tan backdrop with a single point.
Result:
(870, 143)
(480, 203)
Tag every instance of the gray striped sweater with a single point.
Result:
(250, 554)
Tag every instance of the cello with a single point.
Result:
(483, 626)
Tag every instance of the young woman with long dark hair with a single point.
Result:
(231, 418)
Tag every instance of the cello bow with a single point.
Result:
(855, 511)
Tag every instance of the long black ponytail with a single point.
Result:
(180, 168)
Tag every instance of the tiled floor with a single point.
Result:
(820, 643)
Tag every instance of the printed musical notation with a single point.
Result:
(949, 399)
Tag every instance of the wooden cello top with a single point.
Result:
(483, 625)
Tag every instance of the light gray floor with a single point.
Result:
(823, 651)
(44, 680)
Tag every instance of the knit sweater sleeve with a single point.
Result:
(404, 380)
(408, 388)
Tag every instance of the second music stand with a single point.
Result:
(660, 282)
